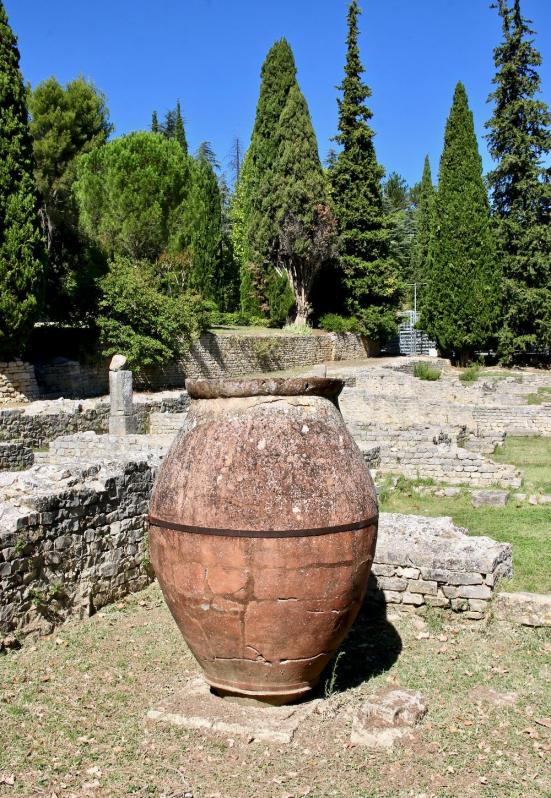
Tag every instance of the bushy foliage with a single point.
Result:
(519, 141)
(66, 121)
(471, 373)
(333, 322)
(139, 321)
(131, 194)
(21, 242)
(370, 274)
(461, 303)
(423, 371)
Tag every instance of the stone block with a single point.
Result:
(392, 596)
(122, 425)
(412, 598)
(525, 609)
(120, 392)
(474, 591)
(422, 586)
(387, 716)
(391, 583)
(452, 577)
(408, 573)
(489, 498)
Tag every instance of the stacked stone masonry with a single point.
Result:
(15, 456)
(17, 382)
(41, 422)
(73, 538)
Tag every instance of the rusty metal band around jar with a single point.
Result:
(263, 533)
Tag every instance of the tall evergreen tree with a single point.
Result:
(257, 232)
(21, 244)
(201, 232)
(398, 207)
(424, 220)
(154, 122)
(370, 274)
(519, 140)
(179, 132)
(294, 193)
(66, 121)
(461, 305)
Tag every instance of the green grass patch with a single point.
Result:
(470, 374)
(542, 396)
(425, 372)
(533, 457)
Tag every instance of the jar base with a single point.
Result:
(275, 697)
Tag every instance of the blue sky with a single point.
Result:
(144, 54)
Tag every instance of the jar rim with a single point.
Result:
(222, 388)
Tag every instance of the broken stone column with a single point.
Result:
(122, 420)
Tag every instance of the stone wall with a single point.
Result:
(429, 561)
(166, 423)
(15, 456)
(430, 452)
(17, 382)
(73, 538)
(43, 421)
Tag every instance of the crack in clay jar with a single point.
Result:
(263, 524)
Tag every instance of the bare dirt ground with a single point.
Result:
(73, 715)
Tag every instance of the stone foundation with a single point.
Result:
(17, 382)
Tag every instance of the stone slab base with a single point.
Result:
(525, 609)
(195, 707)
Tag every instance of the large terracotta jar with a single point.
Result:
(263, 526)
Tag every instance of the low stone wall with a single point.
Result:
(15, 456)
(73, 538)
(166, 423)
(430, 561)
(17, 382)
(430, 452)
(43, 421)
(515, 419)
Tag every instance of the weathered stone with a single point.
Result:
(197, 708)
(391, 583)
(452, 577)
(408, 573)
(489, 498)
(412, 598)
(118, 362)
(526, 609)
(120, 393)
(422, 586)
(386, 716)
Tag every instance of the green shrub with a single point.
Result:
(471, 373)
(139, 321)
(332, 322)
(424, 371)
(298, 329)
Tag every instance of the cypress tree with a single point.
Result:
(257, 233)
(21, 244)
(298, 226)
(179, 132)
(519, 139)
(424, 219)
(202, 229)
(461, 304)
(370, 274)
(154, 122)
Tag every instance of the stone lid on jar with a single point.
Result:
(275, 386)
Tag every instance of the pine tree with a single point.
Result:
(370, 274)
(424, 220)
(519, 140)
(154, 122)
(21, 244)
(398, 207)
(299, 226)
(179, 132)
(257, 236)
(462, 302)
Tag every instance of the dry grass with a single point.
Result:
(72, 716)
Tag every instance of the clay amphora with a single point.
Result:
(263, 525)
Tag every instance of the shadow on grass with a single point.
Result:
(372, 647)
